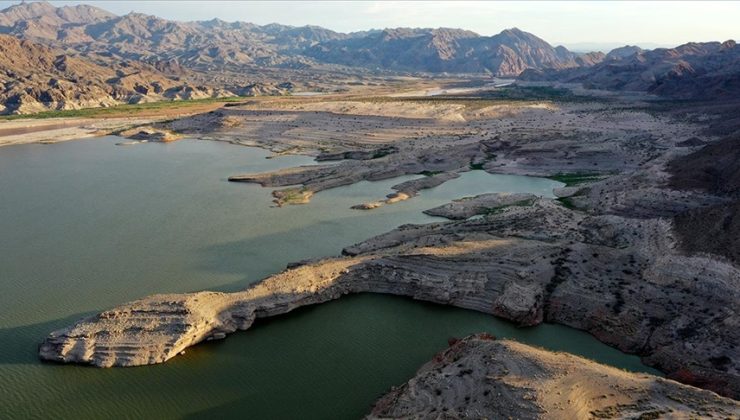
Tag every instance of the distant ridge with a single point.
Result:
(215, 42)
(706, 70)
(448, 50)
(138, 58)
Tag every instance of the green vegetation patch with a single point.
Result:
(299, 195)
(576, 178)
(568, 203)
(384, 151)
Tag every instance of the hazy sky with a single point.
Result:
(598, 22)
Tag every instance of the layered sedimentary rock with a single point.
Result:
(314, 178)
(467, 207)
(618, 278)
(409, 189)
(481, 377)
(155, 329)
(609, 257)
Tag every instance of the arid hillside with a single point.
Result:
(708, 70)
(35, 78)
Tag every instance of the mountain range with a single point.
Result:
(708, 70)
(81, 56)
(204, 44)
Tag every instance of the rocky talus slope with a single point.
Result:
(481, 377)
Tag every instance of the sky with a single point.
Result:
(571, 23)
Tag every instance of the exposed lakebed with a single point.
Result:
(87, 225)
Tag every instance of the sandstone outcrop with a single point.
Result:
(367, 206)
(157, 328)
(150, 134)
(412, 187)
(481, 377)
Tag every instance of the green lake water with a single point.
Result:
(87, 225)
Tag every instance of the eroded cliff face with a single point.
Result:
(481, 377)
(157, 328)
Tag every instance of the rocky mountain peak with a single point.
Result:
(23, 11)
(729, 44)
(83, 13)
(623, 52)
(513, 32)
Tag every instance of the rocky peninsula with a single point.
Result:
(618, 278)
(465, 208)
